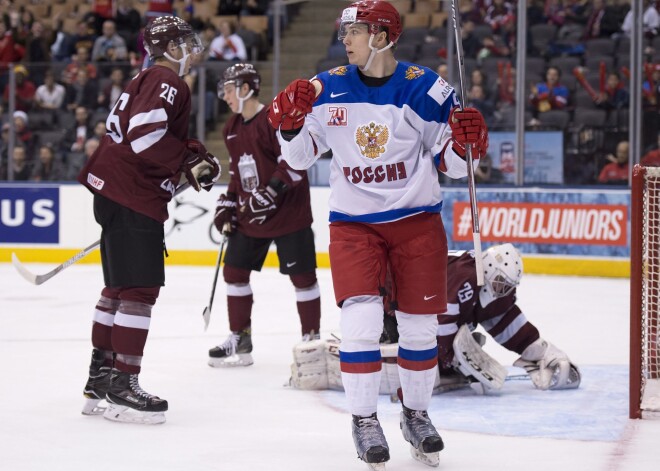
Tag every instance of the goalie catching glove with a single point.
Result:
(468, 127)
(288, 110)
(201, 168)
(548, 367)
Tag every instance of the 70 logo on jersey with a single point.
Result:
(338, 116)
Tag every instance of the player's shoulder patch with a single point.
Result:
(440, 90)
(341, 70)
(414, 72)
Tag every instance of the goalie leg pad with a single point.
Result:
(333, 364)
(473, 361)
(309, 368)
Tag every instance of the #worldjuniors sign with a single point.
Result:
(543, 223)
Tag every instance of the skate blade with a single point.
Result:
(94, 407)
(240, 359)
(126, 415)
(376, 466)
(429, 459)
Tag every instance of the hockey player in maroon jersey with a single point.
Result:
(133, 174)
(266, 201)
(493, 306)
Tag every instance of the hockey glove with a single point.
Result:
(195, 146)
(288, 110)
(260, 205)
(225, 214)
(468, 127)
(201, 170)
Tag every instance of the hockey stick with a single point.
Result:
(476, 235)
(206, 315)
(39, 279)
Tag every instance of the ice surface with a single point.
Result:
(245, 419)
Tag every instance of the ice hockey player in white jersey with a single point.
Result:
(391, 126)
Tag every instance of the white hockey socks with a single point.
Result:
(418, 358)
(359, 354)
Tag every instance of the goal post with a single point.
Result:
(645, 293)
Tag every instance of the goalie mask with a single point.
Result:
(164, 33)
(379, 16)
(503, 269)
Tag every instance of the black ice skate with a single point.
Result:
(97, 384)
(370, 442)
(235, 351)
(128, 402)
(424, 439)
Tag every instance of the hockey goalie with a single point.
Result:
(462, 361)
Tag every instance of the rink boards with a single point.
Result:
(559, 231)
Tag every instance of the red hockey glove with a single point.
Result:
(289, 108)
(201, 170)
(225, 214)
(468, 127)
(260, 205)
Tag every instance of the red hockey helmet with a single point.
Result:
(238, 74)
(375, 13)
(165, 29)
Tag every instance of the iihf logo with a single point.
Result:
(337, 116)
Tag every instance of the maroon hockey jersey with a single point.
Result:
(255, 157)
(138, 161)
(501, 318)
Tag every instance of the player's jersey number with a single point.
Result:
(112, 124)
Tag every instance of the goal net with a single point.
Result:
(645, 293)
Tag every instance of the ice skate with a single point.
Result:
(310, 336)
(128, 402)
(370, 442)
(97, 385)
(235, 351)
(418, 430)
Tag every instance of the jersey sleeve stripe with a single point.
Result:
(150, 117)
(144, 142)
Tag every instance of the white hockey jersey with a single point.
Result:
(386, 141)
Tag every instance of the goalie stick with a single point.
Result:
(39, 279)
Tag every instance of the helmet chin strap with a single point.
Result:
(241, 101)
(374, 51)
(182, 61)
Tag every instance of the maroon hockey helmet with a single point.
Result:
(375, 13)
(238, 74)
(165, 29)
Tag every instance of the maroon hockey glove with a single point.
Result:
(195, 146)
(225, 214)
(289, 108)
(201, 170)
(468, 127)
(260, 205)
